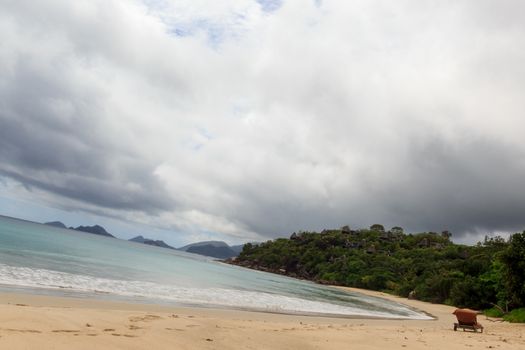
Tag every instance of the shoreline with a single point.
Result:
(108, 298)
(51, 322)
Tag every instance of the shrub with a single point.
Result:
(515, 316)
(494, 312)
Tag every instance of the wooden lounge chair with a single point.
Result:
(467, 320)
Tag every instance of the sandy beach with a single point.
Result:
(44, 322)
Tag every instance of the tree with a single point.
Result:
(396, 230)
(345, 229)
(438, 270)
(514, 260)
(377, 227)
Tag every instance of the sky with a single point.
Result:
(244, 120)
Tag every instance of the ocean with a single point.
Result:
(40, 259)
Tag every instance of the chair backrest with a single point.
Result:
(466, 316)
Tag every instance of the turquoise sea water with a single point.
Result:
(44, 259)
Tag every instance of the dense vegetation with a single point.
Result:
(426, 266)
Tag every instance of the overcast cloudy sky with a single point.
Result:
(245, 120)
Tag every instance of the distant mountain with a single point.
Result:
(148, 241)
(237, 248)
(96, 230)
(158, 243)
(138, 239)
(56, 224)
(212, 243)
(215, 249)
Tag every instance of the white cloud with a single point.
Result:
(223, 117)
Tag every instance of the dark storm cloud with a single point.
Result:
(54, 136)
(76, 163)
(304, 116)
(467, 185)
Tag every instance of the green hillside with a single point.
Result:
(426, 266)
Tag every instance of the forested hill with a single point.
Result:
(428, 266)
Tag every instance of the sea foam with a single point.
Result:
(213, 297)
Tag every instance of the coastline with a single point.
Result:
(50, 322)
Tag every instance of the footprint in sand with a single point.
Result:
(21, 330)
(146, 318)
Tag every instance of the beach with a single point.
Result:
(50, 322)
